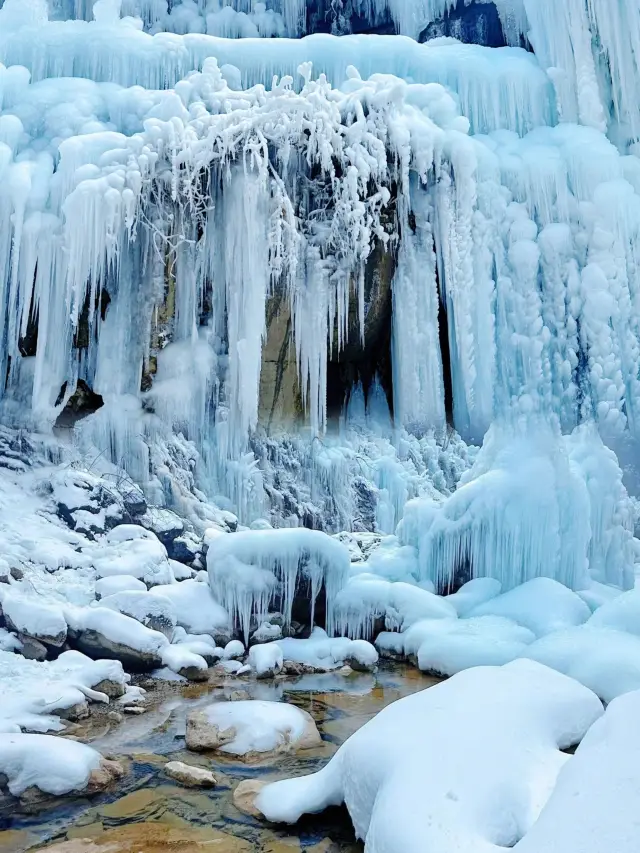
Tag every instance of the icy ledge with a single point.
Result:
(463, 767)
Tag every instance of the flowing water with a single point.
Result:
(151, 814)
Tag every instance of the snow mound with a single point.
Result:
(543, 605)
(323, 652)
(594, 805)
(606, 661)
(367, 598)
(52, 764)
(462, 767)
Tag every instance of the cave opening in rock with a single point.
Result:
(83, 402)
(364, 361)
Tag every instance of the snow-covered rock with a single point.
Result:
(621, 613)
(266, 660)
(34, 617)
(51, 765)
(103, 633)
(153, 609)
(131, 550)
(118, 583)
(605, 660)
(247, 727)
(195, 608)
(234, 650)
(463, 766)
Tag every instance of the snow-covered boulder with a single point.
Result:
(37, 694)
(195, 608)
(33, 765)
(103, 633)
(118, 583)
(234, 650)
(34, 617)
(165, 523)
(266, 660)
(461, 767)
(543, 605)
(154, 610)
(133, 551)
(248, 727)
(474, 593)
(253, 568)
(367, 598)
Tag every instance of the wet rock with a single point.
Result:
(16, 573)
(190, 776)
(201, 735)
(32, 649)
(193, 673)
(134, 710)
(106, 774)
(115, 717)
(74, 713)
(112, 689)
(244, 797)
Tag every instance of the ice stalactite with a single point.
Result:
(256, 568)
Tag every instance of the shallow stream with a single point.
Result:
(151, 814)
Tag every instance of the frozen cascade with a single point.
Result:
(150, 212)
(252, 569)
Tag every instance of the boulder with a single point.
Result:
(34, 618)
(112, 689)
(190, 776)
(183, 549)
(31, 648)
(95, 645)
(167, 525)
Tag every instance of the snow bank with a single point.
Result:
(326, 653)
(251, 570)
(367, 598)
(542, 605)
(463, 766)
(54, 765)
(593, 807)
(605, 660)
